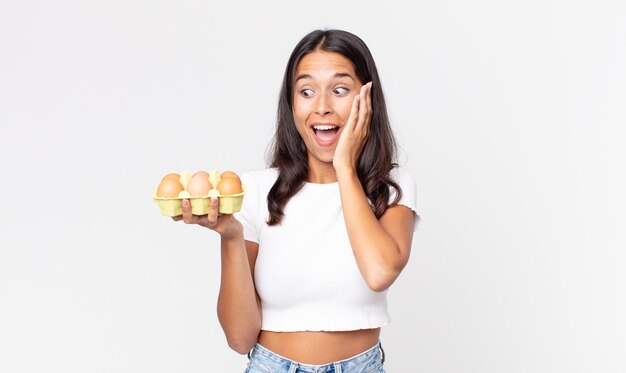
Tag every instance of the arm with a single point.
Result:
(238, 305)
(382, 246)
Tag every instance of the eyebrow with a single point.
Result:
(337, 75)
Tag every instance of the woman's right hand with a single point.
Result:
(225, 224)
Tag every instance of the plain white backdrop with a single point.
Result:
(508, 114)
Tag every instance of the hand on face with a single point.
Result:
(355, 132)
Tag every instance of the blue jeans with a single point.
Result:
(262, 360)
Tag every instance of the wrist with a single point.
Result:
(346, 172)
(234, 231)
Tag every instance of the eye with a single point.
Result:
(307, 92)
(341, 90)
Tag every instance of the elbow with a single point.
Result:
(378, 286)
(381, 276)
(240, 347)
(382, 271)
(382, 279)
(241, 338)
(241, 344)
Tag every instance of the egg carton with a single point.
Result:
(200, 205)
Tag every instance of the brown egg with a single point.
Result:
(230, 174)
(229, 186)
(201, 173)
(172, 175)
(169, 188)
(199, 184)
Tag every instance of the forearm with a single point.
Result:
(237, 307)
(377, 254)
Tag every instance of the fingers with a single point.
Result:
(354, 112)
(361, 110)
(213, 212)
(365, 108)
(368, 99)
(211, 220)
(224, 224)
(187, 216)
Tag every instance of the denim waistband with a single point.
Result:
(271, 361)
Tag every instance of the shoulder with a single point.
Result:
(260, 179)
(268, 173)
(403, 177)
(253, 213)
(408, 188)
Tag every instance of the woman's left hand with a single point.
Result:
(355, 132)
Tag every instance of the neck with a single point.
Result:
(321, 173)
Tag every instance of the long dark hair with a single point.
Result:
(288, 151)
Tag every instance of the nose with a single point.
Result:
(324, 106)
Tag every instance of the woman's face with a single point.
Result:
(323, 92)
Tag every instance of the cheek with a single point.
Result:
(300, 112)
(299, 119)
(343, 109)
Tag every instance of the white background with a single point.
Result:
(509, 114)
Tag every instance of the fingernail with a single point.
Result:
(185, 203)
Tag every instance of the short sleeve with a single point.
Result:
(409, 191)
(248, 215)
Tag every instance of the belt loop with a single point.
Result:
(338, 368)
(293, 367)
(382, 352)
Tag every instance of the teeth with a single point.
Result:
(324, 127)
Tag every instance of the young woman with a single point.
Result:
(323, 232)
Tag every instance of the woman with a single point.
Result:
(325, 230)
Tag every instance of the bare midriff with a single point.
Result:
(319, 348)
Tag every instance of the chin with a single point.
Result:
(322, 158)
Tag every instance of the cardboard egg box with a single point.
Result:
(228, 204)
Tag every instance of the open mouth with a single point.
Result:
(325, 134)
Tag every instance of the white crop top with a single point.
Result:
(305, 272)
